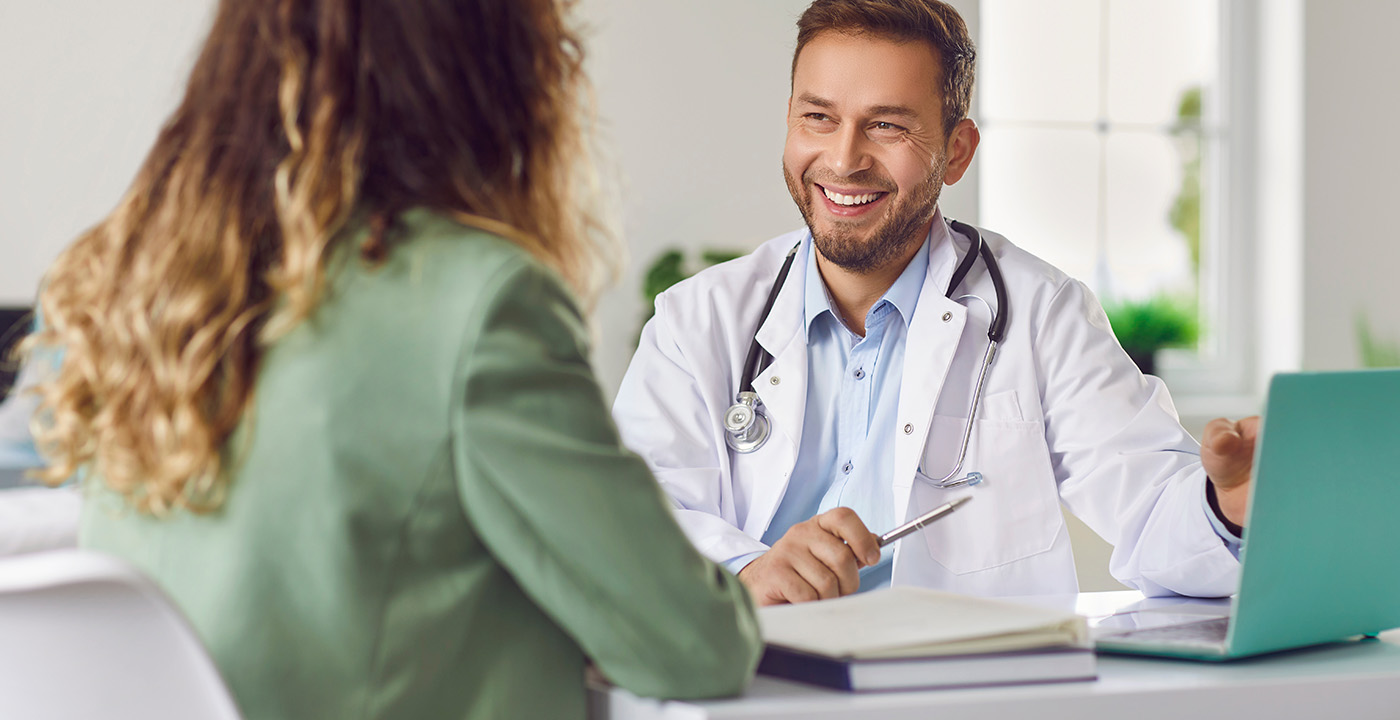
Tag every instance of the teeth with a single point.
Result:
(840, 199)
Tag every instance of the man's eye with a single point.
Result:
(888, 127)
(818, 117)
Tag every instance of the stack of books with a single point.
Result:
(911, 638)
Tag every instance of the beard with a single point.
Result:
(904, 223)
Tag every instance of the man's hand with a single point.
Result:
(1227, 452)
(815, 560)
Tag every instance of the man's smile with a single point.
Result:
(850, 202)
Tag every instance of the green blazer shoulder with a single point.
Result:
(430, 513)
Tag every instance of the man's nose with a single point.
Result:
(848, 154)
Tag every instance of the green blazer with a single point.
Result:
(430, 514)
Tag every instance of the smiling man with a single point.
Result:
(839, 381)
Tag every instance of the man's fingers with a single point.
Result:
(1249, 429)
(837, 558)
(794, 588)
(1227, 450)
(846, 525)
(818, 575)
(816, 559)
(773, 581)
(1221, 437)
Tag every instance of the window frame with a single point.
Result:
(1220, 377)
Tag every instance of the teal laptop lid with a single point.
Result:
(1321, 557)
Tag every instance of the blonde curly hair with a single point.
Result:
(298, 115)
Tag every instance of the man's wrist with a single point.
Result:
(737, 565)
(1219, 501)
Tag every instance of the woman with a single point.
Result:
(325, 384)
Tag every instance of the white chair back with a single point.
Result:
(83, 635)
(34, 519)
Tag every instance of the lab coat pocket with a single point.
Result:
(1015, 511)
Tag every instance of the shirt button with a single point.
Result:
(774, 380)
(846, 468)
(859, 373)
(908, 429)
(947, 316)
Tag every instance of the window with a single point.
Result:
(1109, 149)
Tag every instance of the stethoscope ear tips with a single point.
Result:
(968, 480)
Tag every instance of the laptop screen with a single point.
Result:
(1323, 532)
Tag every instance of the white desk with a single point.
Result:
(1345, 681)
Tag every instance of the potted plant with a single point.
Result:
(1145, 326)
(670, 268)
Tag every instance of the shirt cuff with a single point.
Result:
(1228, 531)
(735, 564)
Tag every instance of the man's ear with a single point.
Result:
(961, 146)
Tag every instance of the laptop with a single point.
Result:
(1321, 555)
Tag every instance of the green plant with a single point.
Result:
(1185, 212)
(1146, 326)
(1375, 353)
(665, 271)
(670, 268)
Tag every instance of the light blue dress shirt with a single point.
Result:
(847, 452)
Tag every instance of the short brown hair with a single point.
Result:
(931, 21)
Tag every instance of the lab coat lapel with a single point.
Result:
(934, 334)
(782, 386)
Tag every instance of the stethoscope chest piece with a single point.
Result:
(746, 427)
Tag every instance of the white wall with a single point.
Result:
(692, 97)
(86, 86)
(1351, 177)
(1278, 196)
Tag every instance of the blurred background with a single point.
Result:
(1220, 172)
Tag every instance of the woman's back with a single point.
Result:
(429, 514)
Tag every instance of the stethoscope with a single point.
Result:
(746, 424)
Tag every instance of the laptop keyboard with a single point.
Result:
(1205, 634)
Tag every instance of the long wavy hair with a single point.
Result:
(298, 116)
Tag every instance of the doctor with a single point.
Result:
(875, 363)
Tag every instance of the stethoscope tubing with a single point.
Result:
(742, 440)
(944, 482)
(757, 356)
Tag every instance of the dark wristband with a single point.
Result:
(1236, 530)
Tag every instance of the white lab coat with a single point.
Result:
(1065, 418)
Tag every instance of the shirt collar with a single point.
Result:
(942, 253)
(903, 294)
(816, 299)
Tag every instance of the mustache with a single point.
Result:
(863, 179)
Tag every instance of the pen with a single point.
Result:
(922, 521)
